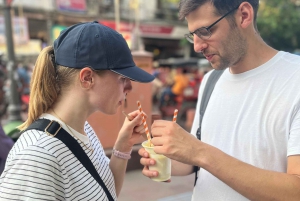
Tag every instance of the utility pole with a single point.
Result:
(14, 108)
(136, 43)
(117, 14)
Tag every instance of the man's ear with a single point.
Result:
(86, 77)
(246, 14)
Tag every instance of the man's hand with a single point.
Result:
(174, 142)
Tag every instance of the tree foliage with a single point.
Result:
(278, 22)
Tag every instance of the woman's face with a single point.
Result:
(109, 91)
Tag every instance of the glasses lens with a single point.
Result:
(203, 33)
(189, 37)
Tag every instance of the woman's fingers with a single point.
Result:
(147, 161)
(149, 173)
(139, 129)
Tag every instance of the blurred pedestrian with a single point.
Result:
(170, 93)
(89, 69)
(250, 133)
(24, 79)
(6, 142)
(24, 82)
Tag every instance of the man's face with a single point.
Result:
(226, 45)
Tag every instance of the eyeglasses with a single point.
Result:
(204, 32)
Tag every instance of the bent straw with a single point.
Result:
(144, 123)
(126, 115)
(175, 115)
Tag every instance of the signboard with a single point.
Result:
(20, 30)
(34, 4)
(56, 29)
(71, 5)
(145, 30)
(155, 29)
(33, 47)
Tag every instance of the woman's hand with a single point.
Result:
(130, 132)
(146, 161)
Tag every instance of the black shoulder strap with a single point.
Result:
(54, 129)
(209, 87)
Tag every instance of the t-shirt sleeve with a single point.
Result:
(32, 174)
(294, 137)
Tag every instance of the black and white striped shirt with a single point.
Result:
(40, 167)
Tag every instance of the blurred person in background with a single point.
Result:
(180, 82)
(89, 69)
(2, 64)
(250, 133)
(6, 143)
(157, 86)
(24, 81)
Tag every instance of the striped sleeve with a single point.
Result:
(32, 174)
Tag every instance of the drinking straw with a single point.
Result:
(175, 115)
(145, 123)
(128, 117)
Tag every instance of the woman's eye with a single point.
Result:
(123, 79)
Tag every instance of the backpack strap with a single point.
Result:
(209, 87)
(54, 129)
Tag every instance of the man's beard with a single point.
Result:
(234, 49)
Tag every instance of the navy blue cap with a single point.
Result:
(94, 45)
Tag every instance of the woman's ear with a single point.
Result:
(86, 78)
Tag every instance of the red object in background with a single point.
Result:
(145, 29)
(25, 99)
(71, 5)
(8, 2)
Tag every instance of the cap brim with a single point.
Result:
(135, 74)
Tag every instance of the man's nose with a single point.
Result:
(199, 44)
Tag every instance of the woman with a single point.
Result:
(89, 69)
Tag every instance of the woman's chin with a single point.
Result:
(111, 111)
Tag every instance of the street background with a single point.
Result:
(156, 38)
(137, 187)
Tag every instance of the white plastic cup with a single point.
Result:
(162, 165)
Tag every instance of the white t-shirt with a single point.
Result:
(253, 116)
(40, 167)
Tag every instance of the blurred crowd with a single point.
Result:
(22, 75)
(177, 87)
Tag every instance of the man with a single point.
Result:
(250, 146)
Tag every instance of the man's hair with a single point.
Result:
(222, 7)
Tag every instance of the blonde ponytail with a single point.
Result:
(43, 86)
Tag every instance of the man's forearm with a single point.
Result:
(181, 169)
(252, 182)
